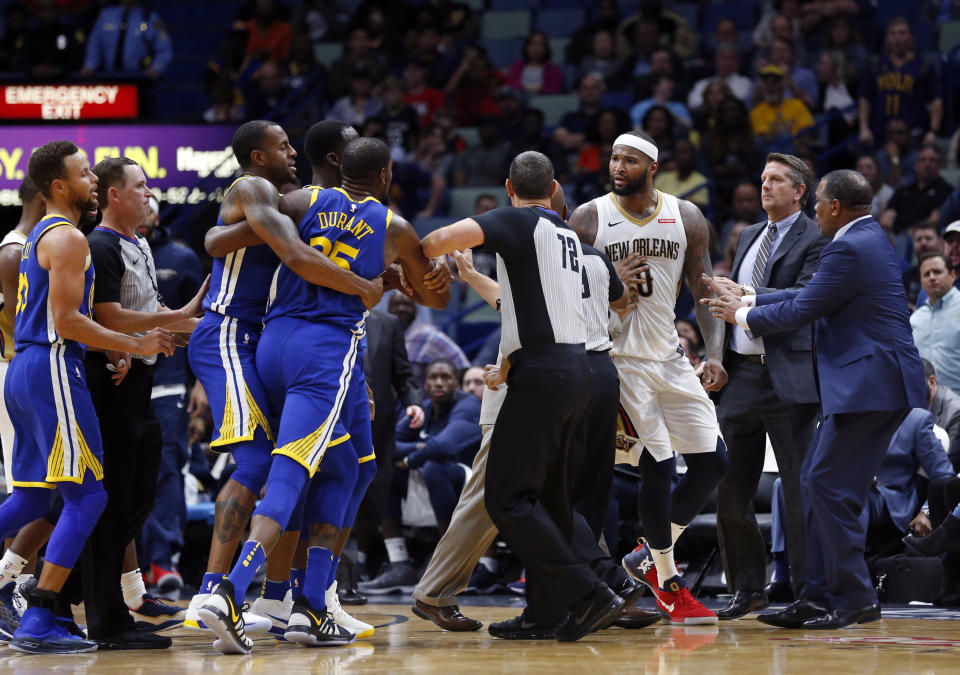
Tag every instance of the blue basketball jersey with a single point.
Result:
(240, 281)
(352, 234)
(34, 316)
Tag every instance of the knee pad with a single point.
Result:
(85, 509)
(82, 506)
(253, 460)
(285, 482)
(296, 518)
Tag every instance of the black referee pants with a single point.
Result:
(131, 460)
(529, 476)
(594, 455)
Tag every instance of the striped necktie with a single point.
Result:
(760, 264)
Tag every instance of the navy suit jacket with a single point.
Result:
(866, 358)
(789, 354)
(913, 447)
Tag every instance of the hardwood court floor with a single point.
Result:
(404, 643)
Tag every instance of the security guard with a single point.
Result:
(128, 40)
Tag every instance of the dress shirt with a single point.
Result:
(936, 331)
(739, 341)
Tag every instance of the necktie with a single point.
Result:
(760, 264)
(121, 42)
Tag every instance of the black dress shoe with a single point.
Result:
(594, 612)
(793, 615)
(629, 590)
(943, 539)
(634, 617)
(134, 638)
(518, 628)
(351, 596)
(779, 591)
(839, 618)
(742, 603)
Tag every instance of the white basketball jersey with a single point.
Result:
(647, 332)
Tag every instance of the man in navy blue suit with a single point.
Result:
(870, 375)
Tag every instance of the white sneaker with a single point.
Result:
(277, 611)
(340, 616)
(254, 624)
(221, 614)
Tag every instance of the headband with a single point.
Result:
(644, 146)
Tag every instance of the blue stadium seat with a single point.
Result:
(503, 25)
(502, 5)
(425, 226)
(565, 4)
(470, 135)
(558, 48)
(554, 106)
(952, 176)
(622, 100)
(949, 36)
(743, 15)
(690, 12)
(463, 198)
(559, 22)
(327, 52)
(504, 52)
(203, 511)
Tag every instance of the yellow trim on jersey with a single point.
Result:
(365, 199)
(234, 183)
(316, 191)
(367, 458)
(26, 483)
(301, 449)
(257, 418)
(389, 217)
(56, 470)
(633, 219)
(338, 441)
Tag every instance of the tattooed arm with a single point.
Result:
(696, 263)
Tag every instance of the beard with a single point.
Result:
(632, 187)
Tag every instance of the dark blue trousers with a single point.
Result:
(837, 473)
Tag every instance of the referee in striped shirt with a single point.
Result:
(527, 491)
(125, 299)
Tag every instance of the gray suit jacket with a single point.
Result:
(789, 354)
(945, 407)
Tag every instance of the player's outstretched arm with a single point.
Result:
(460, 235)
(584, 223)
(695, 264)
(112, 315)
(270, 220)
(222, 240)
(403, 246)
(63, 251)
(486, 288)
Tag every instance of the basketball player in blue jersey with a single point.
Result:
(223, 345)
(57, 442)
(309, 348)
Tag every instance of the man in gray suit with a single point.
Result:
(772, 388)
(944, 403)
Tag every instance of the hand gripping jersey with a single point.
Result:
(34, 316)
(648, 331)
(352, 234)
(240, 281)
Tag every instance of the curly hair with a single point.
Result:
(46, 164)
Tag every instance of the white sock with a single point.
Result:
(489, 563)
(666, 567)
(133, 588)
(676, 531)
(396, 549)
(10, 566)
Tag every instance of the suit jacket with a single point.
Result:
(389, 375)
(790, 353)
(913, 447)
(945, 407)
(866, 358)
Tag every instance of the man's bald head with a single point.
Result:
(558, 202)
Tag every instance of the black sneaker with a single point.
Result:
(518, 628)
(310, 628)
(134, 638)
(221, 615)
(483, 581)
(395, 578)
(596, 611)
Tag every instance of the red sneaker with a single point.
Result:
(166, 579)
(679, 604)
(639, 565)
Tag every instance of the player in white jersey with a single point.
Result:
(657, 240)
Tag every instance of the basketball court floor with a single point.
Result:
(908, 640)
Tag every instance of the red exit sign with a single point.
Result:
(68, 101)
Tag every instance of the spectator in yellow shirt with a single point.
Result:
(683, 180)
(775, 116)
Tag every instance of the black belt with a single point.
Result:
(752, 358)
